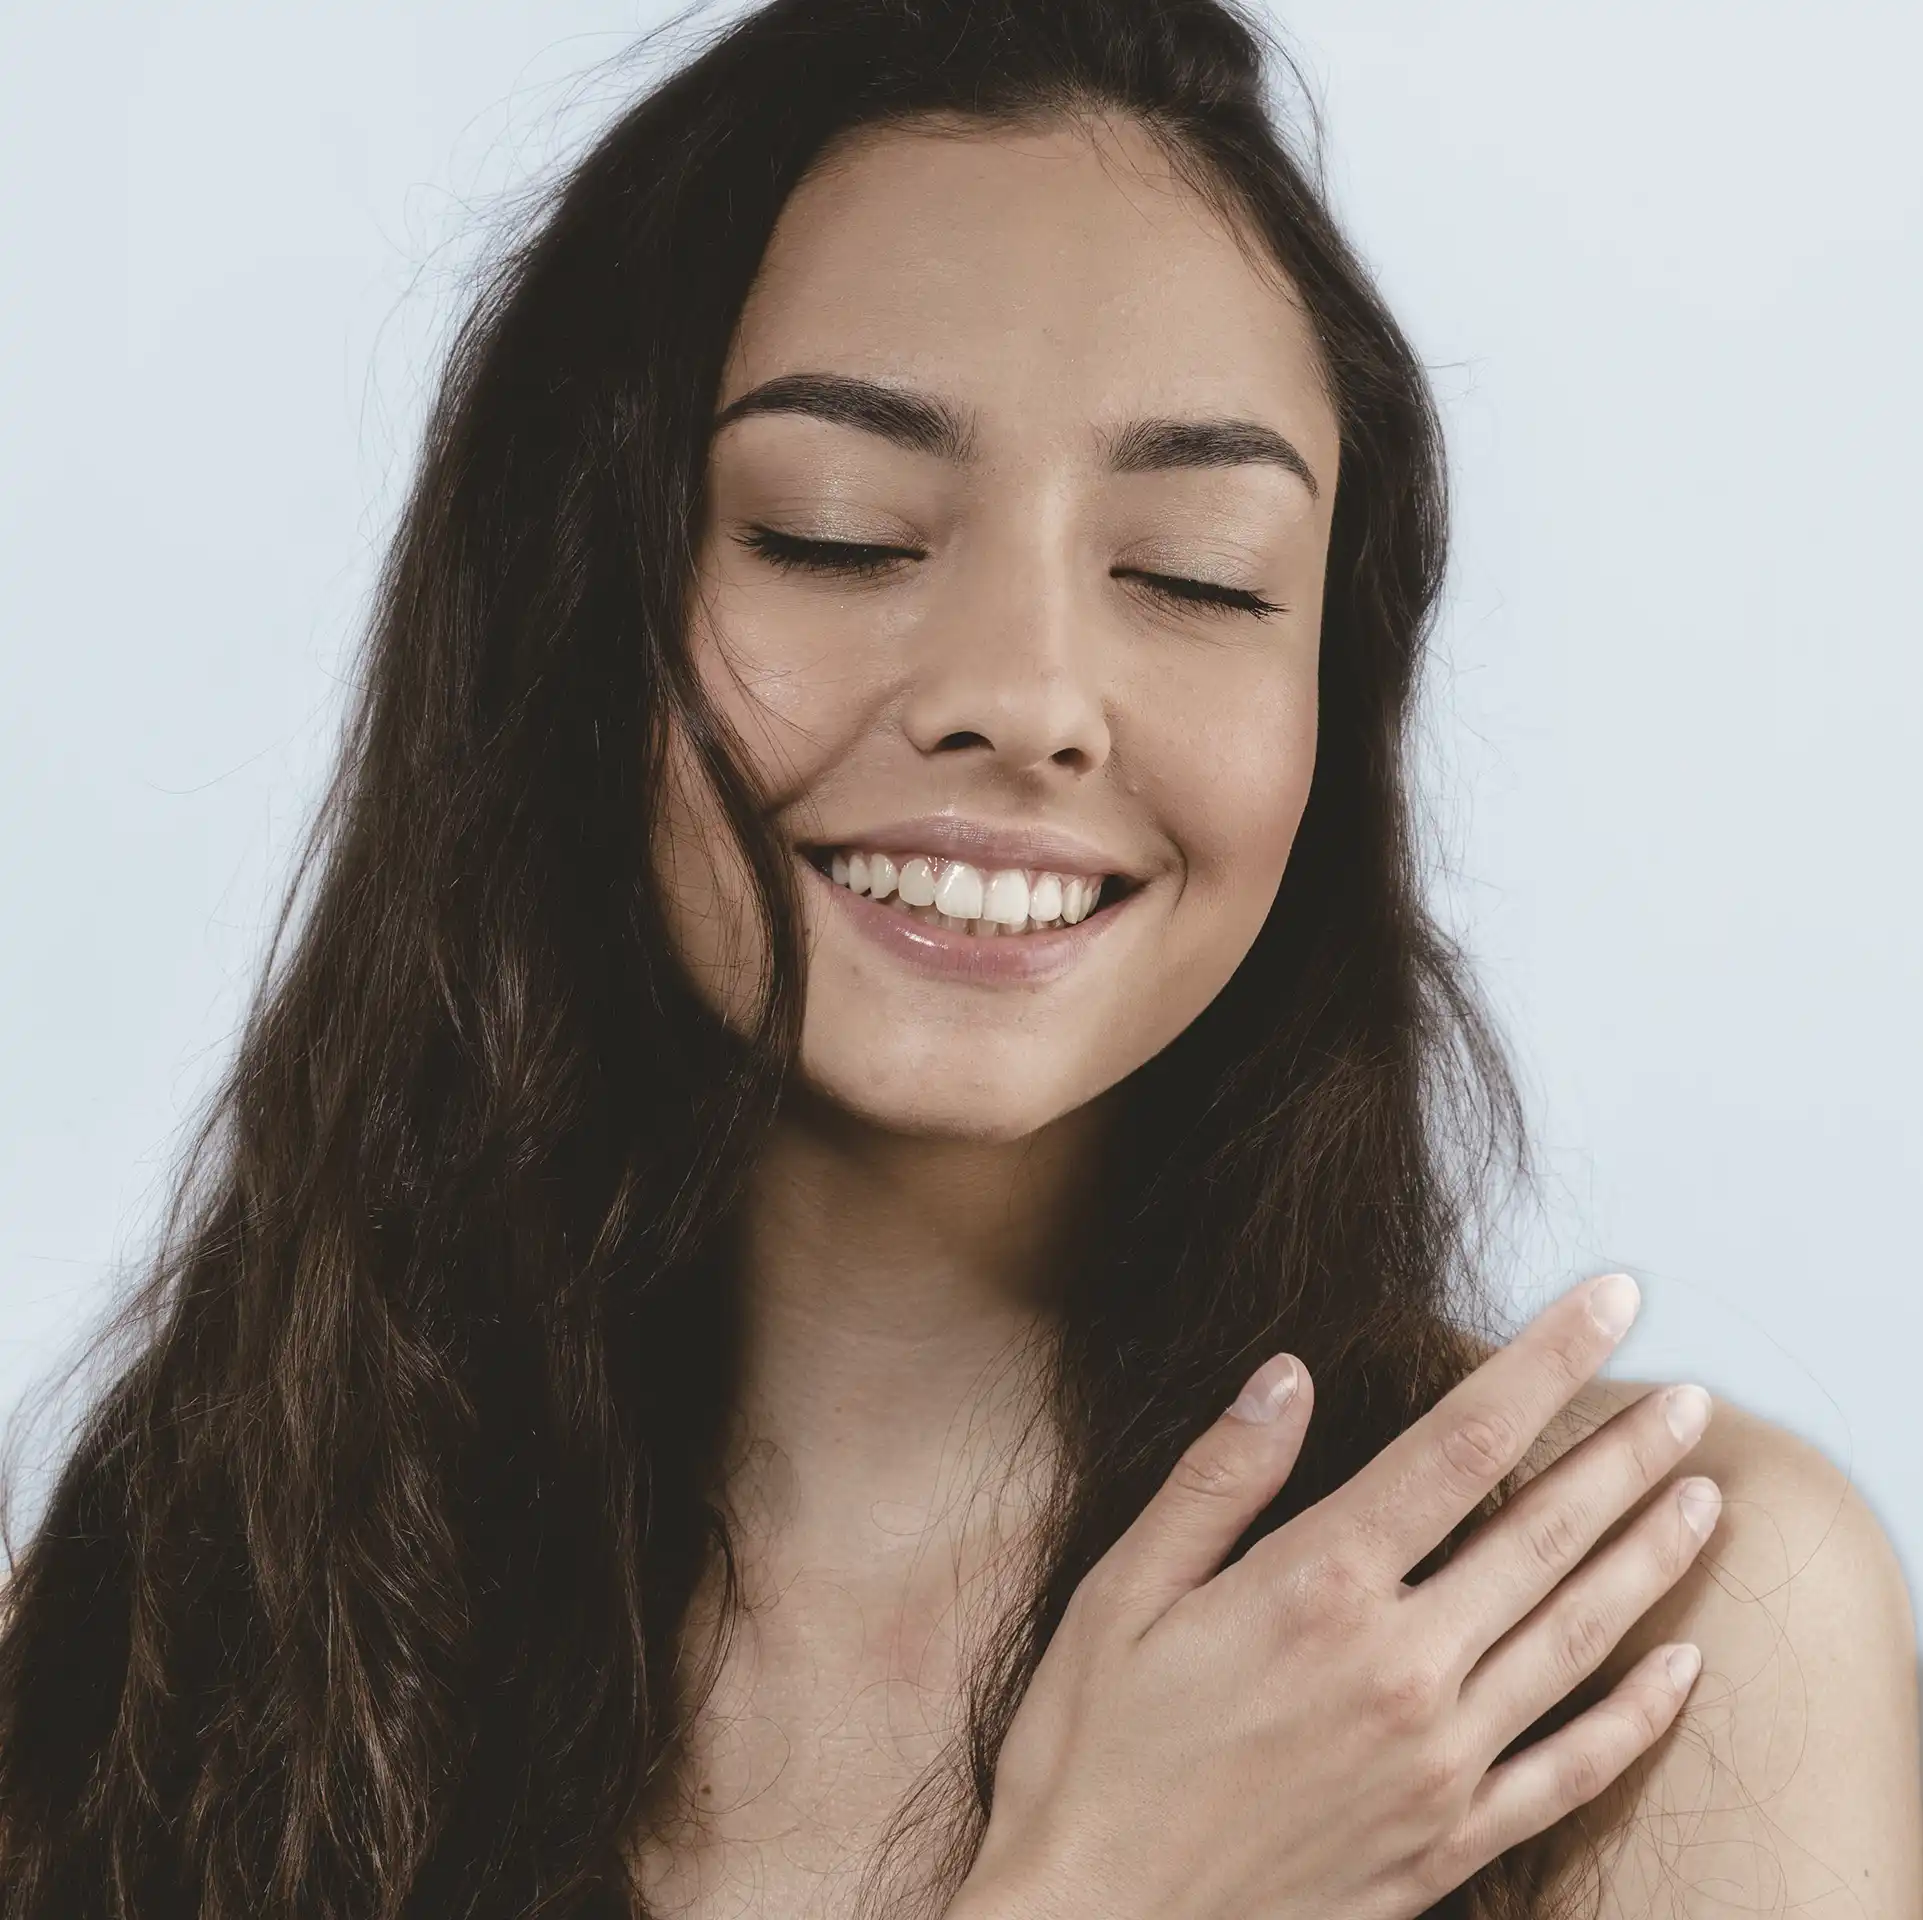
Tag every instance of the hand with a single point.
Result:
(1304, 1736)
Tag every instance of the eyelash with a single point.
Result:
(866, 561)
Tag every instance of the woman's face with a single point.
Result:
(1026, 389)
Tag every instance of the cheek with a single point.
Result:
(797, 688)
(707, 891)
(1231, 779)
(764, 681)
(798, 681)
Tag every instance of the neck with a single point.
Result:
(897, 1295)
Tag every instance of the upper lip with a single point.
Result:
(986, 844)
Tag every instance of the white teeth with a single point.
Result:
(917, 883)
(960, 897)
(1005, 901)
(958, 893)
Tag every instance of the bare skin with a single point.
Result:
(882, 1401)
(1017, 668)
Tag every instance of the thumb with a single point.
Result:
(1227, 1475)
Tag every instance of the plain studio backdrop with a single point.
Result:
(1663, 260)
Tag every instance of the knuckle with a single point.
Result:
(1555, 1538)
(1647, 1461)
(1090, 1617)
(1570, 1359)
(1337, 1593)
(1113, 1591)
(1585, 1640)
(1435, 1780)
(1406, 1693)
(1626, 1725)
(1206, 1473)
(1583, 1776)
(1479, 1448)
(1565, 1361)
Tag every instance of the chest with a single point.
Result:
(835, 1698)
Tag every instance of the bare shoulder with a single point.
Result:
(1792, 1781)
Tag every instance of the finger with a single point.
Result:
(1543, 1534)
(1433, 1474)
(1549, 1780)
(1224, 1479)
(1570, 1635)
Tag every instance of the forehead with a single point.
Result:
(1051, 277)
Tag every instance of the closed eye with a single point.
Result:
(867, 560)
(1201, 593)
(823, 556)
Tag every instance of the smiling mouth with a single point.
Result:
(988, 903)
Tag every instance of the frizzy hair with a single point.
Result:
(360, 1594)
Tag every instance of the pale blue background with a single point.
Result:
(1664, 259)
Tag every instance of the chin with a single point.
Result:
(930, 1103)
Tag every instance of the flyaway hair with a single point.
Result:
(360, 1595)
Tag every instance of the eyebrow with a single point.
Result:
(925, 423)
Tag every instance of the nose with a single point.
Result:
(1012, 676)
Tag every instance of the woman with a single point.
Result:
(864, 976)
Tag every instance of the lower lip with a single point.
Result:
(1008, 959)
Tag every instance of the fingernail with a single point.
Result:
(1271, 1387)
(1701, 1501)
(1613, 1301)
(1687, 1411)
(1684, 1664)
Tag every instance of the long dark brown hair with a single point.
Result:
(361, 1592)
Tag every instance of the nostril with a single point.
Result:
(950, 741)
